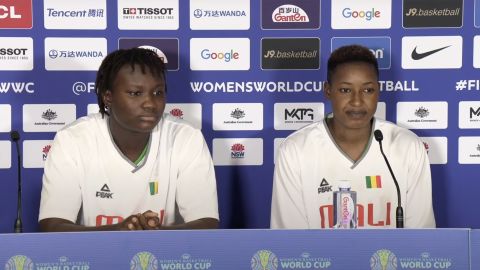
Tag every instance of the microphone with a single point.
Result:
(18, 228)
(399, 213)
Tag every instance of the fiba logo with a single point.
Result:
(19, 262)
(144, 260)
(383, 259)
(264, 260)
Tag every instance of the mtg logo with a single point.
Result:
(289, 13)
(422, 112)
(49, 115)
(238, 151)
(474, 112)
(177, 113)
(299, 114)
(45, 151)
(237, 113)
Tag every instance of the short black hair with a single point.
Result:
(350, 54)
(114, 61)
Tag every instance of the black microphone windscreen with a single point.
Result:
(378, 135)
(15, 135)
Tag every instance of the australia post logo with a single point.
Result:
(16, 14)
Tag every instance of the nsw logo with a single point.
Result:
(238, 151)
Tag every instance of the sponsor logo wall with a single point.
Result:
(248, 74)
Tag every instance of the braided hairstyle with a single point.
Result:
(349, 54)
(113, 62)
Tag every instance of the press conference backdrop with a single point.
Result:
(248, 73)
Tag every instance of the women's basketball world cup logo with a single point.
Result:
(19, 262)
(383, 260)
(144, 261)
(264, 260)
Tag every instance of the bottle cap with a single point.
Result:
(344, 184)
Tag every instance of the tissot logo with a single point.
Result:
(147, 11)
(16, 14)
(104, 193)
(282, 14)
(431, 52)
(148, 14)
(420, 13)
(379, 46)
(166, 48)
(290, 53)
(16, 53)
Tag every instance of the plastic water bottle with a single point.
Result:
(344, 206)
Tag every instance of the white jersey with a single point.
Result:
(310, 164)
(88, 180)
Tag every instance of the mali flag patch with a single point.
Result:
(374, 181)
(153, 187)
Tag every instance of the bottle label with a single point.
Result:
(347, 211)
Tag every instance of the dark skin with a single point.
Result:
(353, 92)
(136, 101)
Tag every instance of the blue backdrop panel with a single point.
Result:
(244, 192)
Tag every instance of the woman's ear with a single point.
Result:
(327, 90)
(107, 98)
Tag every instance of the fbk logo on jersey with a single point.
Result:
(16, 14)
(282, 14)
(379, 46)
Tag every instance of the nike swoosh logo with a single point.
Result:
(418, 56)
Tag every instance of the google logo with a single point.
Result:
(225, 56)
(367, 14)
